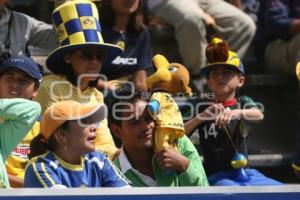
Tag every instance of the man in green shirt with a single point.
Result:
(17, 116)
(131, 123)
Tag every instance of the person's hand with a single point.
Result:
(226, 116)
(211, 112)
(170, 159)
(209, 20)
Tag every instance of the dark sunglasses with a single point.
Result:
(90, 54)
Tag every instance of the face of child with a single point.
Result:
(86, 61)
(224, 82)
(15, 83)
(81, 136)
(137, 128)
(125, 7)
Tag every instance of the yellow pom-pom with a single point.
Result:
(216, 41)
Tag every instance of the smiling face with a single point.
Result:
(14, 83)
(224, 82)
(137, 127)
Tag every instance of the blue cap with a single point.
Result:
(24, 63)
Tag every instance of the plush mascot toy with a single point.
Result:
(170, 78)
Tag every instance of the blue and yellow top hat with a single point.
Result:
(77, 24)
(233, 62)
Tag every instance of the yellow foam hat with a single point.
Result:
(77, 24)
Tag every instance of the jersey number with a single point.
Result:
(211, 131)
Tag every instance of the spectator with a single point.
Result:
(277, 41)
(123, 25)
(63, 154)
(18, 31)
(132, 124)
(76, 64)
(220, 121)
(19, 78)
(194, 21)
(17, 117)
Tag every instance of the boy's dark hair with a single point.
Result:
(107, 17)
(125, 93)
(38, 146)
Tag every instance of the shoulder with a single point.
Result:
(96, 157)
(143, 35)
(46, 159)
(49, 79)
(247, 102)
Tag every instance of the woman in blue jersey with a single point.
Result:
(63, 154)
(123, 25)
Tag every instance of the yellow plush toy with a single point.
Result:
(170, 78)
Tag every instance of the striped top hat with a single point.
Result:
(77, 24)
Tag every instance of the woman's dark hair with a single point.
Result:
(125, 93)
(38, 146)
(107, 17)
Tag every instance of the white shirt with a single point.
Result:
(126, 165)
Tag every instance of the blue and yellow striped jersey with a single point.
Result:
(95, 170)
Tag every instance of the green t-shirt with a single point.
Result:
(17, 116)
(193, 176)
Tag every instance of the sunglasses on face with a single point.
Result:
(91, 54)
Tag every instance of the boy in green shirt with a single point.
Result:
(131, 123)
(16, 118)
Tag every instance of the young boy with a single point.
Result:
(17, 117)
(19, 78)
(219, 122)
(131, 123)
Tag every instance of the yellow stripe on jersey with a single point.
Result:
(47, 175)
(38, 175)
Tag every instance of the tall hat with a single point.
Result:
(219, 55)
(77, 24)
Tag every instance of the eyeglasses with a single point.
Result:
(87, 54)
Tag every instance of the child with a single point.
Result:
(219, 122)
(19, 78)
(76, 64)
(63, 154)
(123, 25)
(17, 117)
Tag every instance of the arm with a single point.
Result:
(208, 114)
(41, 34)
(19, 115)
(15, 181)
(139, 80)
(40, 175)
(192, 124)
(194, 175)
